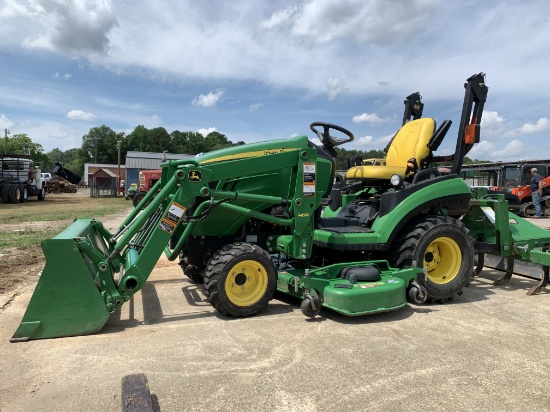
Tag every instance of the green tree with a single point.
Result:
(22, 144)
(180, 142)
(343, 155)
(467, 160)
(159, 140)
(215, 141)
(99, 145)
(139, 140)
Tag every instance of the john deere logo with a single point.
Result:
(195, 176)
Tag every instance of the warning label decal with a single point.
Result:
(309, 179)
(172, 217)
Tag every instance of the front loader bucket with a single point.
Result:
(66, 300)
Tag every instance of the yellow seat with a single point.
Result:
(410, 142)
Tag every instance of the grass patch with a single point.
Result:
(21, 231)
(28, 237)
(62, 206)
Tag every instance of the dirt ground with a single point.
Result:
(17, 275)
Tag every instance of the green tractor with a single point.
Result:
(250, 220)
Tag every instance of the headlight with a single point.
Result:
(396, 180)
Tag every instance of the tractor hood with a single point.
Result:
(253, 150)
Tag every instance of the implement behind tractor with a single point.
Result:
(249, 220)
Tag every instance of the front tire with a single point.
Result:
(24, 193)
(137, 198)
(240, 279)
(443, 247)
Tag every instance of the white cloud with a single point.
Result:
(491, 120)
(365, 141)
(335, 87)
(12, 9)
(206, 131)
(72, 26)
(370, 143)
(541, 126)
(65, 76)
(371, 118)
(486, 150)
(322, 21)
(255, 106)
(80, 115)
(278, 18)
(5, 123)
(386, 139)
(209, 100)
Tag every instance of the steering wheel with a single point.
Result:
(325, 136)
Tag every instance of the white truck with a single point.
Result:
(20, 179)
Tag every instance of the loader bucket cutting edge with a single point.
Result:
(66, 300)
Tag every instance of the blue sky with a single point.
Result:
(261, 70)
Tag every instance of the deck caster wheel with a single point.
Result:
(418, 294)
(311, 306)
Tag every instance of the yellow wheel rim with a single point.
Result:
(246, 283)
(443, 259)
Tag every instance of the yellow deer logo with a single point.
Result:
(195, 176)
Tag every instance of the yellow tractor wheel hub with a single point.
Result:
(443, 259)
(246, 283)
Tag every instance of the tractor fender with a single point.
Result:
(448, 193)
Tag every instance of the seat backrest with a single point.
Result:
(411, 141)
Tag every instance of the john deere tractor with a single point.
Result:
(249, 220)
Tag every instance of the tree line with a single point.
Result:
(100, 145)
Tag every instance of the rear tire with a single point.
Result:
(240, 279)
(41, 194)
(443, 246)
(5, 192)
(14, 194)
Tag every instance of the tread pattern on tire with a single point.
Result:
(213, 284)
(405, 247)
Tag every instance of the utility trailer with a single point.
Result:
(20, 178)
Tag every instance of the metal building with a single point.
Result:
(136, 161)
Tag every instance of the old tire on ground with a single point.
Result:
(240, 279)
(441, 244)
